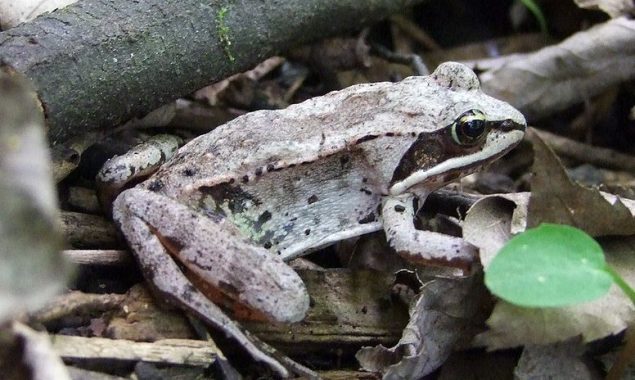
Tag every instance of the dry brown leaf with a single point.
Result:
(557, 199)
(438, 317)
(36, 353)
(30, 239)
(558, 76)
(555, 361)
(491, 221)
(614, 8)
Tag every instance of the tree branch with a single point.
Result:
(98, 63)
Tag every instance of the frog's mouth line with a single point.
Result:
(463, 164)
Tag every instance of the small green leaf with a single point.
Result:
(549, 266)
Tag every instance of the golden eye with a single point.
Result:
(469, 128)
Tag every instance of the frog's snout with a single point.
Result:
(508, 125)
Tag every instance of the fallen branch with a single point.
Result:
(96, 64)
(603, 157)
(168, 351)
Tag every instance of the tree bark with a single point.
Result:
(98, 63)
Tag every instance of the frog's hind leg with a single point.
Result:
(158, 229)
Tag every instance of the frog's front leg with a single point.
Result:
(161, 232)
(425, 247)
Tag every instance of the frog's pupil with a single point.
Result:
(473, 128)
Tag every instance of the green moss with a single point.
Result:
(223, 32)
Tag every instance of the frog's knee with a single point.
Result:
(288, 303)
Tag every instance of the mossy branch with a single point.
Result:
(98, 63)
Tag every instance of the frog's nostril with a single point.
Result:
(510, 125)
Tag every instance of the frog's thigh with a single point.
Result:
(214, 253)
(166, 278)
(422, 246)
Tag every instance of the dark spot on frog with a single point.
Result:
(307, 232)
(312, 199)
(368, 218)
(364, 180)
(270, 167)
(366, 191)
(245, 178)
(366, 138)
(231, 180)
(262, 219)
(187, 292)
(267, 245)
(155, 185)
(122, 167)
(258, 172)
(189, 172)
(234, 196)
(345, 161)
(288, 227)
(400, 208)
(390, 134)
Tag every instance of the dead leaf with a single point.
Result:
(30, 235)
(555, 361)
(492, 220)
(13, 12)
(438, 317)
(557, 199)
(614, 8)
(558, 76)
(35, 353)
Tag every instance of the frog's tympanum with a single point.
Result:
(219, 220)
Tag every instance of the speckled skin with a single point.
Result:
(293, 180)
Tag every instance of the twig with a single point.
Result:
(77, 303)
(416, 33)
(85, 230)
(587, 153)
(168, 351)
(108, 257)
(413, 60)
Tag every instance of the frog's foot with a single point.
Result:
(211, 251)
(133, 166)
(423, 247)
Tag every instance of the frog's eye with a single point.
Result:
(469, 128)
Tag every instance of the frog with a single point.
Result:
(215, 226)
